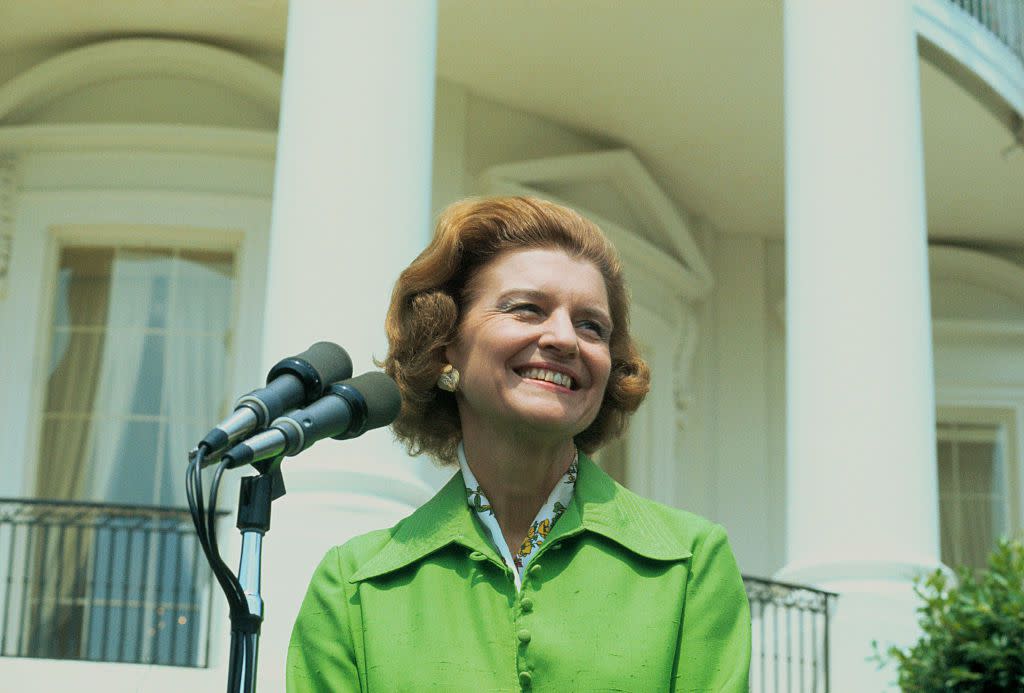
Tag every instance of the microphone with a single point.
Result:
(348, 410)
(292, 382)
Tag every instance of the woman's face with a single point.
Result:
(533, 346)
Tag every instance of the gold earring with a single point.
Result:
(449, 378)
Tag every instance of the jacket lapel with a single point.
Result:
(599, 505)
(602, 506)
(444, 519)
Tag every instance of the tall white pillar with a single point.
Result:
(351, 209)
(862, 516)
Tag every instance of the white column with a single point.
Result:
(862, 501)
(351, 209)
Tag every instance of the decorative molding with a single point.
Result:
(953, 263)
(125, 58)
(1009, 332)
(8, 192)
(957, 44)
(182, 139)
(989, 272)
(844, 575)
(687, 337)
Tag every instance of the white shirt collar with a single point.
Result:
(558, 500)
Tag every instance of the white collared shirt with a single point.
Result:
(546, 518)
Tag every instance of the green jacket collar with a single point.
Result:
(599, 505)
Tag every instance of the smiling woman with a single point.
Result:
(532, 364)
(509, 338)
(434, 293)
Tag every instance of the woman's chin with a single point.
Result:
(542, 419)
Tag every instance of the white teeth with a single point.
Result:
(550, 376)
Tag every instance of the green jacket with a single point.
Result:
(624, 595)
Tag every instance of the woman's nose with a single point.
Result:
(559, 334)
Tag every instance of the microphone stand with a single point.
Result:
(254, 499)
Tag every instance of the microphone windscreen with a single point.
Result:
(383, 399)
(329, 360)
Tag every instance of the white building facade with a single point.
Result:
(829, 290)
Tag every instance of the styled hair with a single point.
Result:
(433, 292)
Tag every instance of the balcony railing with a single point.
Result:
(100, 582)
(1003, 18)
(790, 636)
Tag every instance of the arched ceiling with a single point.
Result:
(694, 88)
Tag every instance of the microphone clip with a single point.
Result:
(255, 495)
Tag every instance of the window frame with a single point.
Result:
(120, 242)
(1006, 418)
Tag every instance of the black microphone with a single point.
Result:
(292, 382)
(347, 410)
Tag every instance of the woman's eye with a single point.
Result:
(524, 308)
(594, 327)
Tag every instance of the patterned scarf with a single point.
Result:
(539, 529)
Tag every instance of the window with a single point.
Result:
(106, 569)
(137, 369)
(974, 490)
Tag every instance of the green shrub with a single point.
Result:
(972, 629)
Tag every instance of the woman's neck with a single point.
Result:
(517, 478)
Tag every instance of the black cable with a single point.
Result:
(242, 649)
(193, 507)
(206, 531)
(196, 470)
(228, 580)
(250, 653)
(234, 665)
(211, 512)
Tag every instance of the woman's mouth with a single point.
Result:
(549, 376)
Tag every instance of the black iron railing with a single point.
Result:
(1003, 18)
(101, 582)
(790, 636)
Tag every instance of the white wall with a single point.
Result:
(739, 408)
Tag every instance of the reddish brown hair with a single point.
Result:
(431, 294)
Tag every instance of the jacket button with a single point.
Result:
(527, 605)
(477, 556)
(525, 680)
(524, 636)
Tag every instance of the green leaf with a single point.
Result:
(972, 630)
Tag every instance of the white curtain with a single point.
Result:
(195, 384)
(121, 460)
(82, 302)
(133, 281)
(973, 492)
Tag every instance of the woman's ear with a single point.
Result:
(451, 354)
